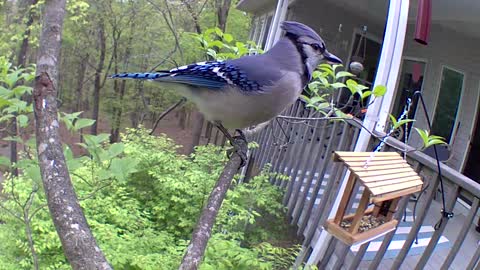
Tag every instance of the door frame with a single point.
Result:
(437, 96)
(416, 59)
(473, 128)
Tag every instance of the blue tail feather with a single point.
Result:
(139, 76)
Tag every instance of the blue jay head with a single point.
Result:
(310, 44)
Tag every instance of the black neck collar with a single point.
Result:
(306, 74)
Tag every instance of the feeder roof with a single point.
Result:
(385, 174)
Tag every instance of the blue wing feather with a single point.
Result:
(211, 75)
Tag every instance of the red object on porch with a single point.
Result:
(424, 17)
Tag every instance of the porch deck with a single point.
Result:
(306, 158)
(461, 262)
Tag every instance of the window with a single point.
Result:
(267, 30)
(451, 87)
(410, 81)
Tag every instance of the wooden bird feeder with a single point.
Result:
(386, 178)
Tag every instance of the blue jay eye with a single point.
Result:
(318, 47)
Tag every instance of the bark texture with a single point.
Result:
(196, 249)
(78, 243)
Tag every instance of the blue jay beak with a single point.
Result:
(331, 59)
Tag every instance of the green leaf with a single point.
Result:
(13, 139)
(337, 85)
(4, 161)
(228, 38)
(366, 94)
(121, 168)
(218, 31)
(379, 90)
(83, 123)
(403, 122)
(342, 114)
(33, 172)
(393, 119)
(324, 81)
(21, 90)
(352, 86)
(4, 102)
(22, 120)
(342, 74)
(216, 43)
(116, 149)
(316, 99)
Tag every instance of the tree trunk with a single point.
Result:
(21, 62)
(196, 21)
(223, 6)
(82, 69)
(182, 120)
(197, 131)
(78, 243)
(117, 113)
(98, 77)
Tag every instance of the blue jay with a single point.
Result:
(239, 93)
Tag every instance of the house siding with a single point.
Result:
(445, 48)
(457, 51)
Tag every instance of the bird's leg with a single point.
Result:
(239, 143)
(241, 135)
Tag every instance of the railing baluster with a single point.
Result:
(305, 162)
(389, 236)
(461, 235)
(296, 160)
(432, 189)
(438, 232)
(328, 253)
(321, 174)
(474, 261)
(359, 256)
(341, 254)
(284, 153)
(266, 144)
(313, 170)
(283, 143)
(320, 214)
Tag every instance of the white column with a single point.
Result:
(396, 62)
(283, 15)
(387, 73)
(273, 25)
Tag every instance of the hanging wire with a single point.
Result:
(445, 214)
(379, 147)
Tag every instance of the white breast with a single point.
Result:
(236, 109)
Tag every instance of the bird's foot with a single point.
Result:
(239, 143)
(240, 146)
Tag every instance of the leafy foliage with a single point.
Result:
(142, 200)
(11, 104)
(326, 83)
(221, 46)
(429, 140)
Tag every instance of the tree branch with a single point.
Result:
(166, 112)
(196, 249)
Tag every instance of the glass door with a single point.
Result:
(410, 81)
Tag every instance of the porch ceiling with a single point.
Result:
(459, 15)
